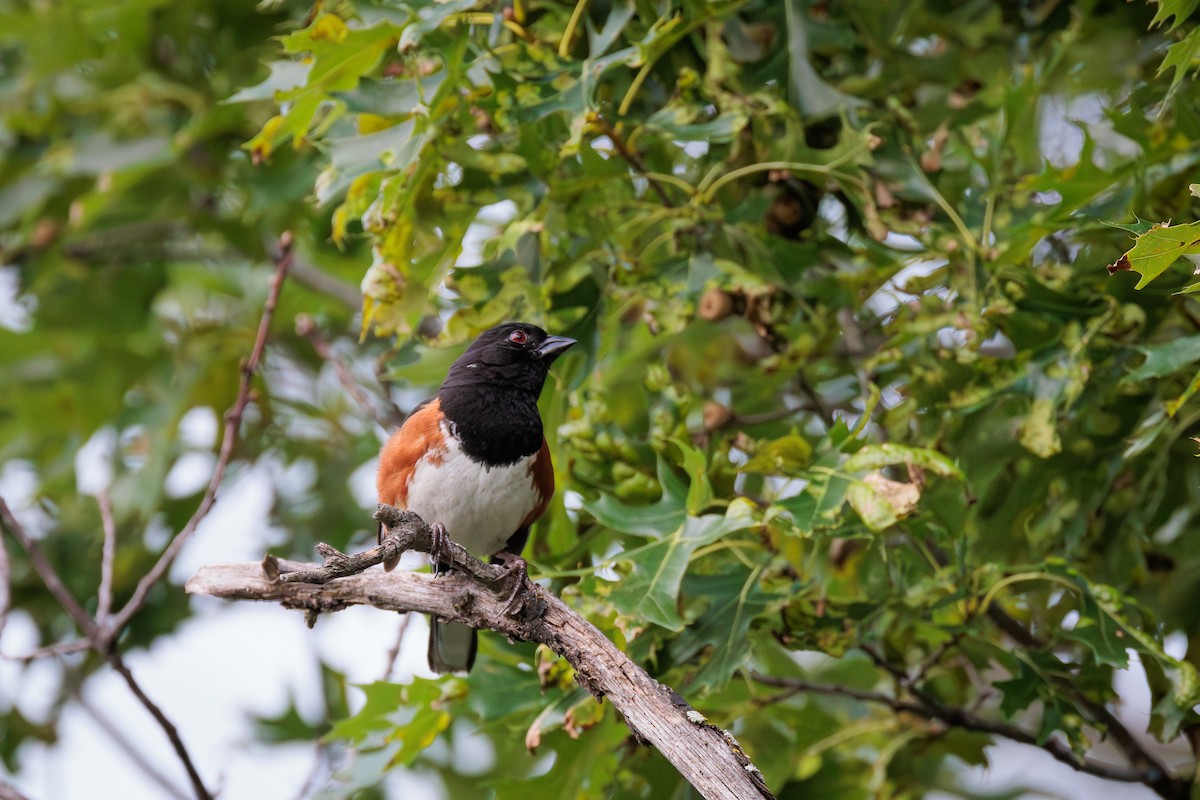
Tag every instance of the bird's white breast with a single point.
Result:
(480, 506)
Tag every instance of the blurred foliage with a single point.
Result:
(854, 381)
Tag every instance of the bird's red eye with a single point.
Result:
(519, 337)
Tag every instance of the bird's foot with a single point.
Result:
(515, 572)
(439, 545)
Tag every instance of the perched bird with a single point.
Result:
(473, 461)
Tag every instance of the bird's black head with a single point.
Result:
(515, 354)
(491, 392)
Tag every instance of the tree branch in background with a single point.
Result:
(1156, 774)
(394, 651)
(41, 565)
(1097, 714)
(101, 632)
(99, 638)
(9, 792)
(233, 421)
(386, 383)
(117, 737)
(109, 553)
(5, 588)
(323, 283)
(306, 326)
(60, 649)
(479, 595)
(925, 706)
(635, 161)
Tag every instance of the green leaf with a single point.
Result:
(650, 591)
(700, 492)
(341, 55)
(430, 17)
(382, 701)
(656, 520)
(1020, 691)
(393, 97)
(415, 714)
(820, 504)
(1158, 248)
(1039, 429)
(285, 76)
(877, 456)
(787, 455)
(1184, 58)
(1167, 358)
(1175, 10)
(734, 599)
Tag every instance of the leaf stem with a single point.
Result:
(964, 232)
(711, 184)
(564, 44)
(1021, 577)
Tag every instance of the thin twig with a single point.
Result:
(9, 792)
(635, 161)
(405, 531)
(118, 663)
(306, 326)
(1095, 713)
(233, 421)
(818, 405)
(385, 383)
(394, 651)
(117, 737)
(959, 718)
(5, 589)
(60, 649)
(104, 594)
(320, 766)
(41, 565)
(100, 639)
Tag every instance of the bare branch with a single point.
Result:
(318, 280)
(45, 571)
(635, 161)
(104, 594)
(394, 651)
(318, 774)
(385, 383)
(5, 587)
(117, 736)
(925, 706)
(306, 326)
(60, 649)
(708, 757)
(114, 658)
(233, 421)
(99, 639)
(9, 792)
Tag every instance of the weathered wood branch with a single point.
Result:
(478, 594)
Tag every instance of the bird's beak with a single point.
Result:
(553, 347)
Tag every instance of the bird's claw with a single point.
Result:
(439, 543)
(515, 572)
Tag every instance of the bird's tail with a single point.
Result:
(451, 646)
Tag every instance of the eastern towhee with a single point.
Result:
(473, 462)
